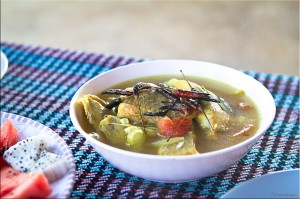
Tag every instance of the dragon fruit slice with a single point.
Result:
(33, 155)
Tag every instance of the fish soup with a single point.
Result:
(168, 115)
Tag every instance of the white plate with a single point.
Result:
(4, 64)
(282, 184)
(26, 127)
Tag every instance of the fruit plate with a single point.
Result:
(26, 128)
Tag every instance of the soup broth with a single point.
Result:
(242, 121)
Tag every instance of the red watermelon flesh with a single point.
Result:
(3, 163)
(15, 184)
(8, 136)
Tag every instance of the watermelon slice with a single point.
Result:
(3, 163)
(8, 136)
(15, 184)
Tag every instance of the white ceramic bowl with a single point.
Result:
(4, 64)
(176, 168)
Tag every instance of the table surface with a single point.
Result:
(40, 83)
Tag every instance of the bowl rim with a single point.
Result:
(4, 64)
(250, 141)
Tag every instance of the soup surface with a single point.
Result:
(173, 118)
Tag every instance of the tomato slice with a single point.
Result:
(175, 127)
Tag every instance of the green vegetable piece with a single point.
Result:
(113, 129)
(225, 106)
(135, 135)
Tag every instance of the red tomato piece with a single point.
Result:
(175, 127)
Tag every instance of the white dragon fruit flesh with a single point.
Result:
(33, 154)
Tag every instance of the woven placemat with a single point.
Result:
(40, 83)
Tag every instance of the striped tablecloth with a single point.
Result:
(40, 83)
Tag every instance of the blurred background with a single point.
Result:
(261, 36)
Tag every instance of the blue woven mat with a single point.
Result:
(40, 83)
